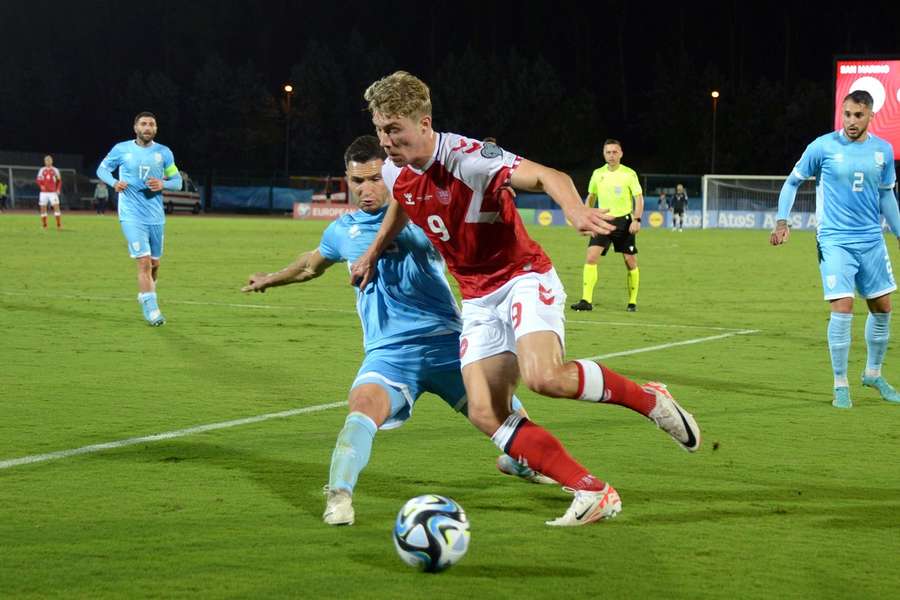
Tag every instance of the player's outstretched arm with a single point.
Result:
(782, 232)
(308, 265)
(535, 177)
(363, 269)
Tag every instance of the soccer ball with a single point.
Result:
(431, 533)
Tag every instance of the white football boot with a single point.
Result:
(338, 507)
(588, 507)
(671, 418)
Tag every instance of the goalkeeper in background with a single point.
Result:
(855, 179)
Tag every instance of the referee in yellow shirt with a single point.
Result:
(616, 187)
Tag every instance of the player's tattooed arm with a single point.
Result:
(308, 265)
(781, 233)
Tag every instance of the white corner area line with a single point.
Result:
(36, 458)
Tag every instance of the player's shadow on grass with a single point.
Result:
(298, 483)
(792, 396)
(62, 312)
(209, 359)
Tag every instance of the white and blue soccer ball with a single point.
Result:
(431, 533)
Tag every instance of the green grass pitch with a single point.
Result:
(787, 498)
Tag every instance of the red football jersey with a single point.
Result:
(461, 204)
(49, 179)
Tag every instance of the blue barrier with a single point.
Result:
(257, 198)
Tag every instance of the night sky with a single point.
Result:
(75, 73)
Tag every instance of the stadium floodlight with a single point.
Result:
(715, 101)
(288, 92)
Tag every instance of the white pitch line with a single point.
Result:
(674, 344)
(36, 458)
(659, 325)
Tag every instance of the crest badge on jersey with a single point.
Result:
(491, 150)
(879, 159)
(353, 232)
(158, 157)
(443, 196)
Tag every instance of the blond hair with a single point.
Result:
(399, 95)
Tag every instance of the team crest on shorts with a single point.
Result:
(831, 281)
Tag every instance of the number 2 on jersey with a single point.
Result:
(858, 181)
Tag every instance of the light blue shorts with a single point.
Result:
(848, 269)
(143, 240)
(408, 370)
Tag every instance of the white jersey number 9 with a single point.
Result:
(436, 224)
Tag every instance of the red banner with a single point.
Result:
(881, 78)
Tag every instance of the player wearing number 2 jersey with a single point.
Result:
(145, 168)
(855, 176)
(456, 189)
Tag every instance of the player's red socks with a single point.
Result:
(536, 447)
(600, 384)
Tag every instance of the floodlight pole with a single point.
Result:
(288, 92)
(715, 101)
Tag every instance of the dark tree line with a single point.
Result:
(539, 81)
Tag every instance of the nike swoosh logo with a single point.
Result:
(692, 440)
(581, 516)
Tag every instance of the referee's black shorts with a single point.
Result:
(621, 239)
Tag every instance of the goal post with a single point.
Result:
(751, 202)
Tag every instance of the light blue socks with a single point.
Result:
(351, 451)
(839, 346)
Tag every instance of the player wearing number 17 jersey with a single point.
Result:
(145, 168)
(456, 189)
(855, 187)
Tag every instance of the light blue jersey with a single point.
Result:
(410, 297)
(850, 179)
(136, 164)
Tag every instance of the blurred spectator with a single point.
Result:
(3, 197)
(663, 204)
(101, 197)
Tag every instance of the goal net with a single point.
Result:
(751, 201)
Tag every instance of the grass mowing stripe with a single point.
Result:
(167, 301)
(36, 458)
